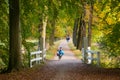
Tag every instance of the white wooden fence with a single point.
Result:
(89, 56)
(37, 56)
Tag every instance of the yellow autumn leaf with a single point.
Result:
(59, 32)
(118, 16)
(102, 15)
(110, 21)
(96, 8)
(107, 8)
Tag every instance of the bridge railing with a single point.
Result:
(37, 56)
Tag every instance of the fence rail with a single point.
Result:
(37, 56)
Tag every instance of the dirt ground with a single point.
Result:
(68, 68)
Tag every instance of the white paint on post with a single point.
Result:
(89, 56)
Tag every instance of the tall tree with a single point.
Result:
(40, 29)
(44, 32)
(75, 31)
(15, 41)
(81, 33)
(51, 37)
(82, 24)
(90, 23)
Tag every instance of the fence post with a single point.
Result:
(83, 55)
(98, 58)
(92, 55)
(30, 60)
(36, 57)
(43, 55)
(85, 48)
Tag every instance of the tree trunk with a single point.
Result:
(84, 31)
(83, 26)
(53, 21)
(44, 32)
(44, 37)
(75, 31)
(90, 24)
(80, 35)
(51, 38)
(15, 40)
(40, 29)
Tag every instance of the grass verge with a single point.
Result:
(76, 52)
(51, 52)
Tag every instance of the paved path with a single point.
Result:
(68, 56)
(68, 68)
(67, 62)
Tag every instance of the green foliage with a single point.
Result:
(110, 41)
(4, 30)
(3, 57)
(30, 18)
(106, 30)
(59, 32)
(28, 47)
(4, 22)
